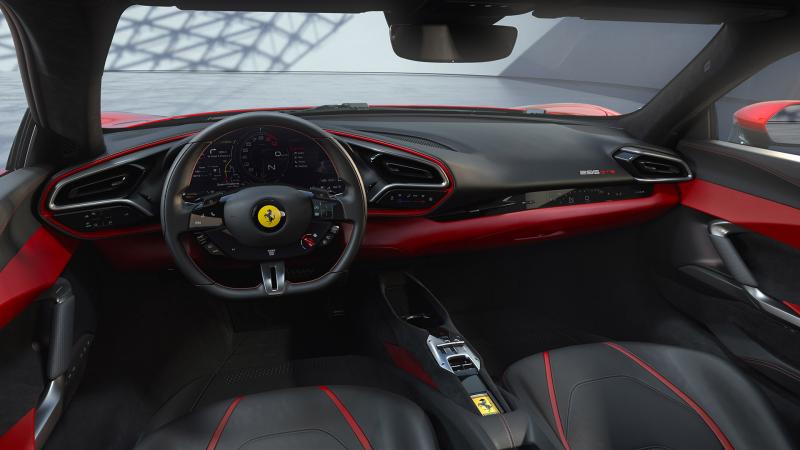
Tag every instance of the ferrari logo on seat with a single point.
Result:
(485, 404)
(269, 216)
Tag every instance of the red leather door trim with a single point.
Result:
(776, 220)
(35, 267)
(793, 306)
(21, 435)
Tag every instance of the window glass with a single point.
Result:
(164, 61)
(12, 96)
(764, 111)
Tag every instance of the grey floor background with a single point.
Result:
(172, 93)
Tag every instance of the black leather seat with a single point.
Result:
(326, 418)
(626, 396)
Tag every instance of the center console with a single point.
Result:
(422, 340)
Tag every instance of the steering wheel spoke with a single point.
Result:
(329, 209)
(199, 222)
(182, 222)
(273, 276)
(207, 212)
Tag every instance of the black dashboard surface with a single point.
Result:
(493, 157)
(487, 156)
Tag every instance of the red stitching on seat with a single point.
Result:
(726, 444)
(212, 444)
(553, 403)
(348, 417)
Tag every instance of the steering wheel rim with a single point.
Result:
(176, 212)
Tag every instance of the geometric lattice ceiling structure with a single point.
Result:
(158, 38)
(150, 38)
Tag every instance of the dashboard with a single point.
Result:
(433, 183)
(262, 155)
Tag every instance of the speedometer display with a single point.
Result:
(262, 155)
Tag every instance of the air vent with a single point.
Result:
(398, 180)
(652, 166)
(113, 183)
(402, 170)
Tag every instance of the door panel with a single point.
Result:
(730, 258)
(778, 221)
(32, 258)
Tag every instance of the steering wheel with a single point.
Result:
(264, 221)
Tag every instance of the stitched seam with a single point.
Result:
(212, 444)
(508, 430)
(354, 426)
(773, 366)
(551, 390)
(726, 444)
(283, 433)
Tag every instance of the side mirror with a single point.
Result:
(452, 43)
(769, 123)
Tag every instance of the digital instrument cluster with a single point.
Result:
(262, 155)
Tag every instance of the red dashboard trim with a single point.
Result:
(388, 237)
(47, 215)
(405, 212)
(35, 267)
(407, 234)
(772, 219)
(413, 236)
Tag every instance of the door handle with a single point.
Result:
(719, 232)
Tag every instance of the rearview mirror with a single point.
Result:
(769, 123)
(452, 43)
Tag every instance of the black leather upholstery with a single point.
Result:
(631, 396)
(339, 417)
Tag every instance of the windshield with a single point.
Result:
(166, 62)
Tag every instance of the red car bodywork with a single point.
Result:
(756, 116)
(113, 119)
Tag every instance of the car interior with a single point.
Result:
(409, 276)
